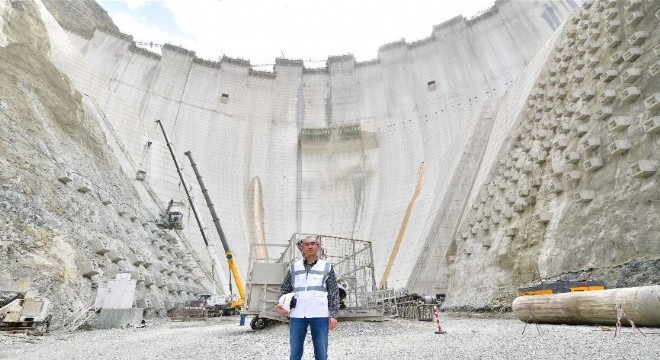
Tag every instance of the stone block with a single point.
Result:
(638, 38)
(652, 103)
(612, 41)
(634, 18)
(144, 303)
(557, 170)
(584, 196)
(652, 125)
(116, 256)
(589, 93)
(590, 143)
(158, 280)
(608, 4)
(511, 232)
(100, 247)
(158, 305)
(631, 5)
(607, 96)
(572, 157)
(168, 304)
(105, 199)
(580, 129)
(630, 75)
(592, 62)
(560, 143)
(633, 54)
(611, 13)
(136, 259)
(619, 123)
(617, 57)
(121, 210)
(573, 176)
(86, 268)
(583, 114)
(83, 185)
(603, 113)
(612, 26)
(543, 217)
(593, 163)
(654, 69)
(609, 75)
(147, 261)
(620, 146)
(519, 206)
(644, 168)
(64, 176)
(140, 175)
(592, 46)
(149, 279)
(555, 187)
(487, 242)
(630, 94)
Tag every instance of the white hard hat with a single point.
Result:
(287, 301)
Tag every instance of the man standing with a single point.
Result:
(317, 300)
(243, 315)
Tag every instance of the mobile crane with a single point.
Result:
(209, 247)
(228, 253)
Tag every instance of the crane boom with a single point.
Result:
(228, 253)
(211, 251)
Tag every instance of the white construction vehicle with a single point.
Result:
(23, 311)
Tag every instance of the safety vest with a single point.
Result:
(309, 286)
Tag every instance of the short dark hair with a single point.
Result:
(300, 242)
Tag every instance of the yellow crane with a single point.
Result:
(228, 253)
(212, 254)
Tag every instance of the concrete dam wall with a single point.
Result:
(535, 125)
(354, 186)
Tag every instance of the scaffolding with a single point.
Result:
(352, 261)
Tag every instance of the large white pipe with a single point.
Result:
(259, 240)
(640, 304)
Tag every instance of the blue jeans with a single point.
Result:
(242, 321)
(298, 332)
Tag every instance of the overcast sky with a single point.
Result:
(261, 30)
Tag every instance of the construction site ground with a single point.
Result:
(469, 336)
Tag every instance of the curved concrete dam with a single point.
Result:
(535, 121)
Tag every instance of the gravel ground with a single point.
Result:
(468, 337)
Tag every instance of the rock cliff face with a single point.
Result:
(567, 197)
(540, 164)
(80, 15)
(51, 232)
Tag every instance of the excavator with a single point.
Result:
(172, 219)
(235, 301)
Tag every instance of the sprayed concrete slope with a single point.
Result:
(572, 193)
(64, 240)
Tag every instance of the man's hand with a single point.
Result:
(332, 323)
(281, 310)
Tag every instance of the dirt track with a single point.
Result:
(222, 338)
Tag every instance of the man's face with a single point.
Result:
(310, 247)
